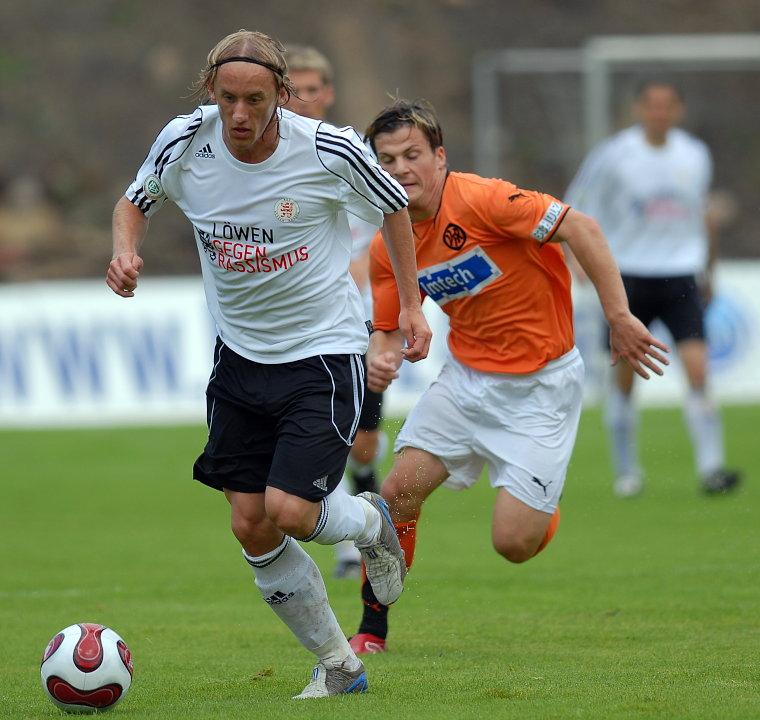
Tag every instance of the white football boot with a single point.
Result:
(384, 561)
(334, 681)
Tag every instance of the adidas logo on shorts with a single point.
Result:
(321, 483)
(205, 152)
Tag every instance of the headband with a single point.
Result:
(242, 58)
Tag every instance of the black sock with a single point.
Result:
(375, 615)
(364, 480)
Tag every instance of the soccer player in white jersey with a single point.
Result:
(267, 192)
(647, 186)
(314, 94)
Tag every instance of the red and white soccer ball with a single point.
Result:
(86, 668)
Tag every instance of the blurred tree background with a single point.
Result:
(85, 86)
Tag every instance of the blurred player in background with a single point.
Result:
(648, 188)
(267, 193)
(312, 76)
(314, 94)
(510, 396)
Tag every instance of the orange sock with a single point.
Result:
(407, 536)
(553, 525)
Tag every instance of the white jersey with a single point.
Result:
(362, 233)
(273, 237)
(650, 201)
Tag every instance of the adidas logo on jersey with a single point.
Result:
(205, 152)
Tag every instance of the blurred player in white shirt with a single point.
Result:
(647, 187)
(312, 77)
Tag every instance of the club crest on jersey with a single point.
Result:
(454, 237)
(286, 210)
(153, 187)
(459, 277)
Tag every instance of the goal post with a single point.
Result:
(604, 55)
(595, 62)
(487, 70)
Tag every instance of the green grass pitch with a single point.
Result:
(643, 608)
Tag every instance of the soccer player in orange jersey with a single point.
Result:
(509, 397)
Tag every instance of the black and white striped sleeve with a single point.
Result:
(147, 191)
(367, 190)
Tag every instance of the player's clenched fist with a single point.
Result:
(123, 272)
(417, 333)
(382, 370)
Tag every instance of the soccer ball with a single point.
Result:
(86, 668)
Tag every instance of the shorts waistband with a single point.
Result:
(562, 361)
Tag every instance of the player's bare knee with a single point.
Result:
(391, 489)
(696, 375)
(292, 521)
(515, 549)
(697, 380)
(244, 528)
(291, 514)
(402, 497)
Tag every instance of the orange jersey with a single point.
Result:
(484, 258)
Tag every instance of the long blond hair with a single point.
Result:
(257, 46)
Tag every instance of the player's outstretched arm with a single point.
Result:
(129, 228)
(397, 234)
(629, 338)
(383, 359)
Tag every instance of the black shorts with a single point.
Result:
(676, 301)
(372, 406)
(289, 425)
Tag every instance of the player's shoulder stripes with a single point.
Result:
(181, 129)
(344, 143)
(185, 131)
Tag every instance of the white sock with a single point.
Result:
(705, 428)
(344, 517)
(345, 483)
(622, 423)
(346, 551)
(292, 586)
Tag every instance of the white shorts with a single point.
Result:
(522, 426)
